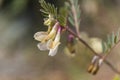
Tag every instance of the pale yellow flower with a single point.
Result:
(45, 36)
(49, 41)
(53, 45)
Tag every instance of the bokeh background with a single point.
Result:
(20, 58)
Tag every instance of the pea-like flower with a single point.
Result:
(49, 40)
(53, 44)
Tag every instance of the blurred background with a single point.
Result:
(20, 59)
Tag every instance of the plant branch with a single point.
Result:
(75, 18)
(105, 60)
(112, 49)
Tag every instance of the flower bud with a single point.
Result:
(95, 65)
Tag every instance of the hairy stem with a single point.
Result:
(105, 60)
(75, 19)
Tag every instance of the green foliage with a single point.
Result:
(117, 36)
(111, 41)
(62, 16)
(49, 9)
(104, 47)
(74, 13)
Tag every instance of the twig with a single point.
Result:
(105, 60)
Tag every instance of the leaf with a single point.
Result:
(76, 2)
(71, 20)
(43, 11)
(71, 15)
(116, 37)
(78, 13)
(111, 41)
(74, 13)
(48, 8)
(104, 47)
(62, 17)
(61, 20)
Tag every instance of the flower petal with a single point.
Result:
(49, 44)
(39, 36)
(42, 46)
(57, 38)
(52, 33)
(53, 51)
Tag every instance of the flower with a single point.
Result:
(45, 36)
(49, 40)
(53, 46)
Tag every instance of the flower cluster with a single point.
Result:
(49, 40)
(56, 21)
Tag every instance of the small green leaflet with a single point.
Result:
(117, 36)
(48, 8)
(104, 47)
(111, 41)
(62, 16)
(74, 11)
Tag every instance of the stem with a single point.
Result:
(75, 19)
(105, 60)
(112, 49)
